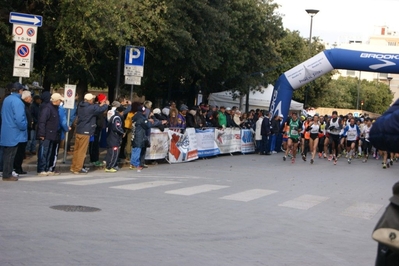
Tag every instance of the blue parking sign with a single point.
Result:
(134, 61)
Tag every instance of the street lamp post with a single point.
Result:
(389, 81)
(312, 13)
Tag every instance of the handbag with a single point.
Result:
(387, 229)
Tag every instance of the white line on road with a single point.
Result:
(195, 190)
(98, 181)
(362, 210)
(249, 195)
(51, 178)
(304, 202)
(146, 185)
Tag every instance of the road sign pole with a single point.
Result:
(131, 93)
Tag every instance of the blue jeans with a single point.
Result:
(135, 157)
(44, 155)
(273, 142)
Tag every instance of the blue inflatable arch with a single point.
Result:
(323, 63)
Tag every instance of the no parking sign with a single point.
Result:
(70, 91)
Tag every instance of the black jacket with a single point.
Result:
(141, 125)
(115, 131)
(34, 112)
(265, 128)
(48, 122)
(275, 127)
(87, 117)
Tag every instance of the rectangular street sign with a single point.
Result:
(24, 33)
(69, 96)
(134, 61)
(22, 59)
(26, 19)
(132, 80)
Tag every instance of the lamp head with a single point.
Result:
(312, 12)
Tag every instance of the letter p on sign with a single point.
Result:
(134, 53)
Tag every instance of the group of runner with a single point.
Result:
(331, 137)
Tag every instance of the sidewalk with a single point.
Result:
(30, 163)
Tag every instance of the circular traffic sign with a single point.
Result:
(23, 50)
(30, 32)
(19, 30)
(69, 93)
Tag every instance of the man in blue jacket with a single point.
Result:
(85, 127)
(13, 129)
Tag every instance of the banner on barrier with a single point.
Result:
(206, 142)
(228, 140)
(247, 141)
(183, 147)
(159, 145)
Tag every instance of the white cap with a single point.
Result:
(89, 96)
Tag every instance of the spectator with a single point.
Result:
(62, 129)
(258, 136)
(13, 129)
(237, 118)
(47, 132)
(229, 118)
(85, 127)
(34, 112)
(173, 119)
(128, 128)
(222, 117)
(275, 131)
(190, 118)
(265, 132)
(181, 117)
(139, 143)
(114, 139)
(94, 142)
(19, 156)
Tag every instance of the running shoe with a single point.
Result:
(293, 160)
(324, 155)
(284, 158)
(320, 155)
(330, 157)
(388, 165)
(304, 157)
(391, 162)
(132, 167)
(349, 161)
(365, 161)
(311, 161)
(384, 166)
(111, 170)
(139, 169)
(339, 155)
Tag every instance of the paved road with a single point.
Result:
(230, 210)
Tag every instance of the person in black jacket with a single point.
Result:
(114, 139)
(275, 131)
(34, 113)
(265, 132)
(140, 141)
(47, 132)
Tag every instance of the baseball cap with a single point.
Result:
(156, 111)
(183, 107)
(17, 86)
(116, 104)
(89, 96)
(101, 97)
(228, 109)
(56, 96)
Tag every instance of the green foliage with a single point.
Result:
(343, 93)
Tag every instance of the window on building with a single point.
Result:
(391, 43)
(350, 72)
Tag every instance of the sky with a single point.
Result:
(340, 20)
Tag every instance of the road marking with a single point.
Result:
(195, 190)
(362, 210)
(249, 195)
(304, 202)
(51, 178)
(97, 181)
(146, 185)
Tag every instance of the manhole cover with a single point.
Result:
(74, 208)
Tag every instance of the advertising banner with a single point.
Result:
(206, 143)
(247, 141)
(228, 140)
(183, 147)
(159, 145)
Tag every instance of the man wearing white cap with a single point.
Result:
(47, 133)
(85, 127)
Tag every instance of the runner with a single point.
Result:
(367, 146)
(305, 136)
(322, 137)
(334, 127)
(352, 133)
(295, 127)
(314, 129)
